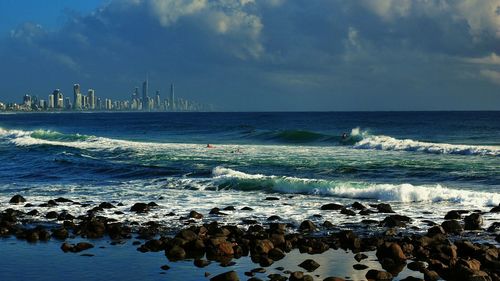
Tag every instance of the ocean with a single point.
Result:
(422, 163)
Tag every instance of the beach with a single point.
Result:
(416, 192)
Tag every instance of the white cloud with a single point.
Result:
(492, 59)
(492, 75)
(169, 11)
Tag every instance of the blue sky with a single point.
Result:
(259, 54)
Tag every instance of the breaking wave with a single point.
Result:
(225, 178)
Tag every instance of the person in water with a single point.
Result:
(210, 146)
(344, 136)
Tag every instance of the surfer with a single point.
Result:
(344, 136)
(210, 146)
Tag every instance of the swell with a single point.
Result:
(356, 139)
(225, 178)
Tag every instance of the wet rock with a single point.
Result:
(60, 233)
(430, 275)
(452, 227)
(106, 205)
(274, 218)
(140, 208)
(359, 257)
(416, 266)
(226, 248)
(229, 208)
(63, 200)
(263, 246)
(332, 207)
(51, 215)
(366, 212)
(276, 254)
(226, 276)
(369, 222)
(494, 227)
(435, 230)
(265, 261)
(66, 247)
(247, 209)
(384, 208)
(359, 266)
(32, 213)
(165, 267)
(495, 209)
(82, 246)
(176, 253)
(16, 199)
(395, 221)
(309, 265)
(195, 215)
(334, 279)
(374, 274)
(277, 277)
(307, 225)
(411, 278)
(328, 224)
(271, 198)
(358, 206)
(473, 222)
(452, 215)
(201, 263)
(347, 212)
(391, 250)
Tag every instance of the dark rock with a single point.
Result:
(452, 215)
(473, 222)
(347, 212)
(265, 261)
(229, 208)
(416, 266)
(328, 224)
(263, 246)
(374, 274)
(82, 246)
(332, 207)
(495, 209)
(384, 208)
(270, 198)
(411, 278)
(358, 206)
(226, 276)
(276, 277)
(391, 250)
(51, 215)
(176, 253)
(201, 263)
(274, 218)
(32, 213)
(195, 215)
(307, 225)
(359, 266)
(16, 199)
(369, 222)
(60, 233)
(358, 257)
(366, 212)
(63, 200)
(435, 230)
(140, 208)
(152, 204)
(452, 227)
(334, 279)
(276, 254)
(165, 267)
(246, 209)
(430, 275)
(494, 227)
(296, 276)
(66, 247)
(395, 221)
(106, 205)
(309, 265)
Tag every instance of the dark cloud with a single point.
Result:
(266, 55)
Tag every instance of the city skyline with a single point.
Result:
(58, 101)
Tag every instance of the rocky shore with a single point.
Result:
(441, 251)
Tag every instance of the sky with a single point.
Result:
(259, 55)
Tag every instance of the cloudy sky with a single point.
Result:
(259, 54)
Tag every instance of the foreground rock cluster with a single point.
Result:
(440, 253)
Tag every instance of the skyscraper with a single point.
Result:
(58, 98)
(91, 97)
(157, 101)
(51, 101)
(145, 97)
(77, 98)
(172, 98)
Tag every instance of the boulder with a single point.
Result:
(374, 274)
(195, 215)
(347, 212)
(332, 207)
(140, 208)
(384, 208)
(453, 215)
(307, 225)
(473, 222)
(226, 276)
(16, 199)
(452, 227)
(359, 266)
(309, 265)
(276, 254)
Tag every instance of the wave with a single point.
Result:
(56, 136)
(389, 143)
(225, 178)
(302, 137)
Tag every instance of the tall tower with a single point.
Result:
(172, 98)
(58, 98)
(157, 101)
(145, 97)
(91, 97)
(77, 98)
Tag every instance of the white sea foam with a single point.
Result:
(384, 192)
(390, 143)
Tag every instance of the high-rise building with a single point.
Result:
(27, 101)
(145, 97)
(51, 101)
(58, 99)
(91, 98)
(77, 98)
(67, 103)
(157, 101)
(108, 104)
(172, 98)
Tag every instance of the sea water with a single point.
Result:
(422, 163)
